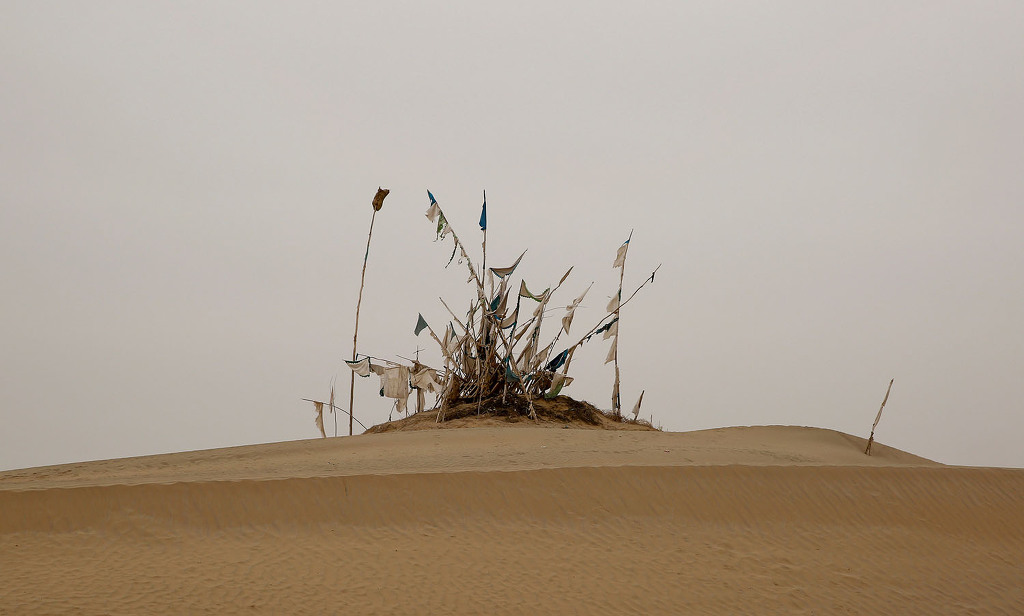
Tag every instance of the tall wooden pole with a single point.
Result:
(616, 396)
(378, 202)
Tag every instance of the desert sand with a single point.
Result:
(517, 520)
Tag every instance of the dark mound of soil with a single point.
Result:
(494, 411)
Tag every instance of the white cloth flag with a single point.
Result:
(567, 320)
(636, 409)
(613, 305)
(620, 256)
(361, 367)
(611, 331)
(432, 212)
(613, 350)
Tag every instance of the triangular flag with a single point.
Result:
(576, 302)
(524, 292)
(501, 272)
(612, 351)
(636, 409)
(483, 214)
(613, 330)
(433, 201)
(421, 324)
(613, 305)
(620, 256)
(567, 320)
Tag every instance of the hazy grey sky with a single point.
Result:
(834, 189)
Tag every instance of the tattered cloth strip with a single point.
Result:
(396, 382)
(421, 324)
(567, 320)
(512, 319)
(509, 375)
(501, 272)
(576, 302)
(613, 305)
(613, 351)
(432, 212)
(603, 328)
(636, 408)
(318, 408)
(360, 367)
(557, 383)
(524, 292)
(613, 330)
(557, 362)
(620, 256)
(426, 379)
(378, 199)
(499, 303)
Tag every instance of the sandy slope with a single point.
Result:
(517, 520)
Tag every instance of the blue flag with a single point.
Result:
(432, 199)
(483, 214)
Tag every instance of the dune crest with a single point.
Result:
(736, 520)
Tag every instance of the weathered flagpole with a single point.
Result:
(378, 202)
(486, 307)
(871, 439)
(616, 397)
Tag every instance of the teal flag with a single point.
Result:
(421, 325)
(483, 214)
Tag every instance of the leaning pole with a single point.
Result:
(378, 202)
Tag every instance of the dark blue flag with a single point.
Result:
(483, 214)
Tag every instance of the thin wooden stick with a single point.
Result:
(378, 202)
(871, 439)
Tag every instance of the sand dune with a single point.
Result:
(522, 520)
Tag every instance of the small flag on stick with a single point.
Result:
(421, 324)
(378, 199)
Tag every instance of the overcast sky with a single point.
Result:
(835, 191)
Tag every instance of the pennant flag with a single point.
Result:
(512, 319)
(620, 256)
(613, 305)
(360, 367)
(524, 292)
(483, 214)
(432, 212)
(501, 272)
(378, 199)
(613, 330)
(576, 302)
(557, 362)
(567, 320)
(421, 324)
(430, 195)
(636, 409)
(612, 351)
(566, 275)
